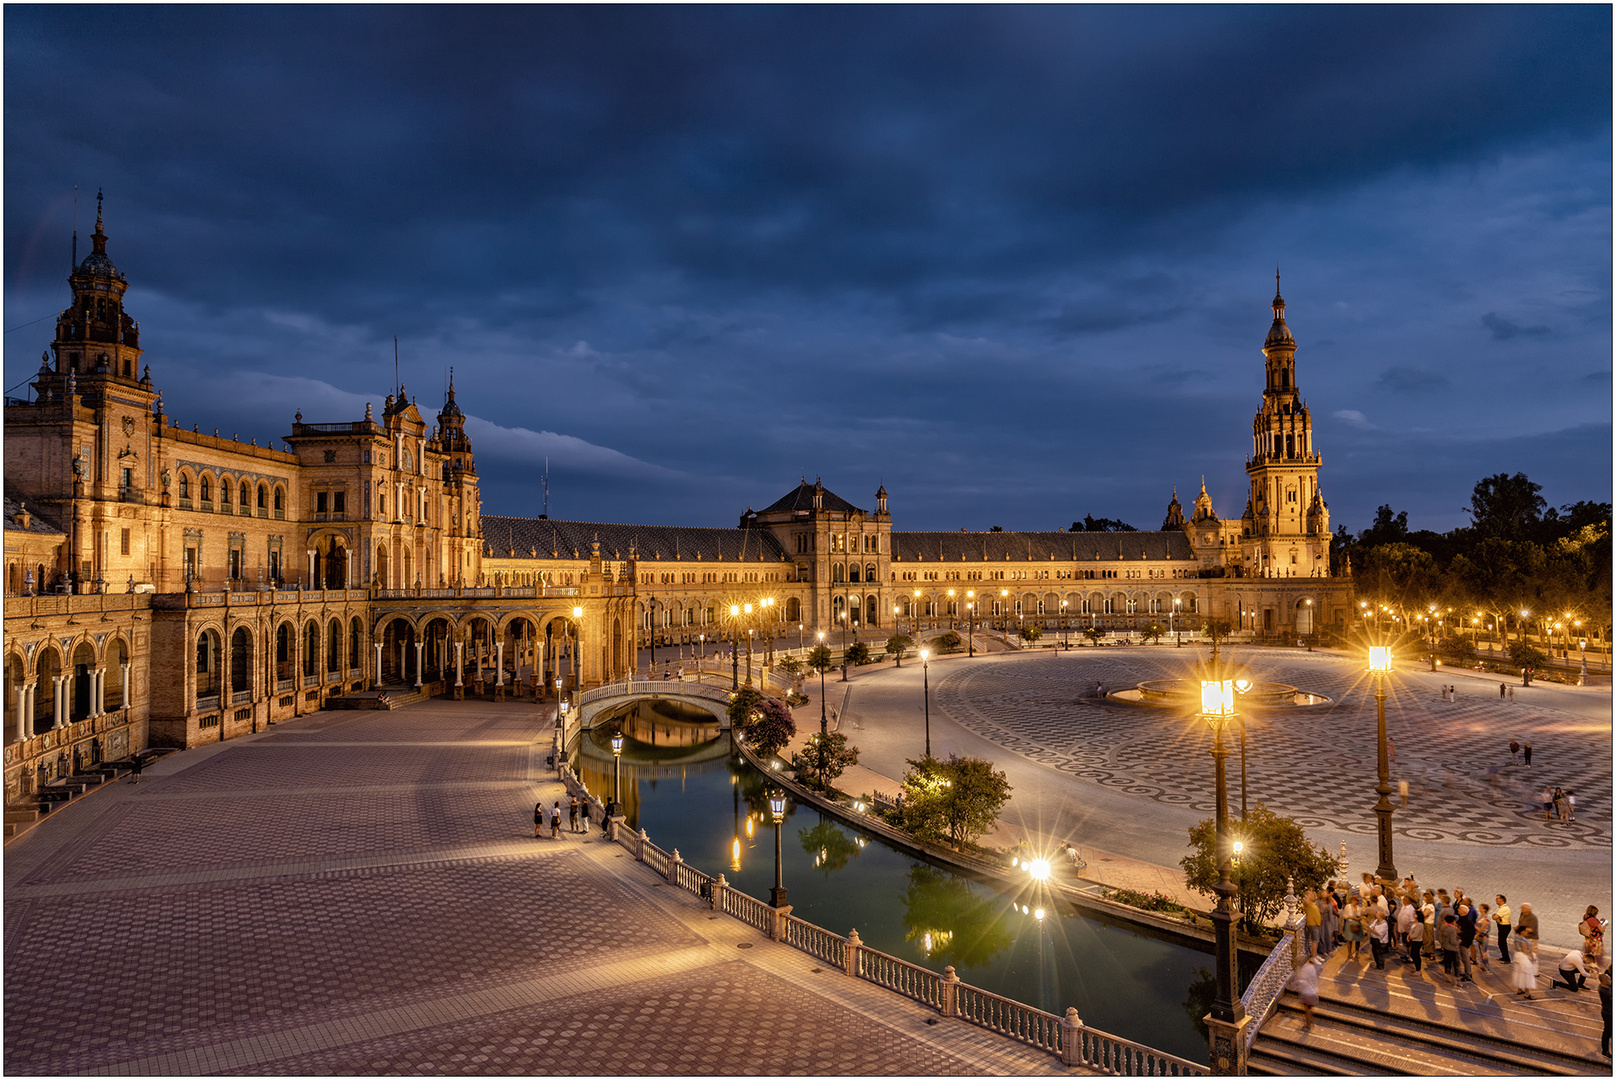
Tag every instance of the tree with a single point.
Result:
(949, 642)
(1387, 529)
(770, 727)
(838, 756)
(858, 653)
(743, 706)
(819, 658)
(1507, 506)
(1524, 655)
(1090, 523)
(791, 667)
(1275, 849)
(1153, 631)
(1094, 634)
(829, 846)
(1031, 633)
(958, 799)
(1401, 576)
(898, 644)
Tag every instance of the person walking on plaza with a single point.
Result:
(1604, 1011)
(1313, 917)
(538, 818)
(1593, 935)
(1514, 747)
(1447, 937)
(1501, 917)
(1465, 920)
(1484, 932)
(1306, 984)
(1548, 802)
(1571, 805)
(555, 821)
(1416, 938)
(1526, 747)
(572, 815)
(1377, 940)
(1352, 927)
(1572, 971)
(1327, 924)
(1560, 812)
(1500, 691)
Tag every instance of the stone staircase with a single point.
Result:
(1399, 1022)
(388, 697)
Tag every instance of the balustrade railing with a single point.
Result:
(1268, 985)
(751, 911)
(816, 941)
(1007, 1017)
(1124, 1057)
(690, 879)
(900, 976)
(656, 858)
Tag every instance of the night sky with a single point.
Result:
(1015, 262)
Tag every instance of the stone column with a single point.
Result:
(378, 664)
(98, 691)
(419, 648)
(28, 709)
(499, 670)
(310, 579)
(673, 867)
(460, 668)
(20, 694)
(59, 702)
(949, 1005)
(124, 675)
(1071, 1038)
(719, 888)
(850, 961)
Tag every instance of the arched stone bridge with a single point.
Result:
(711, 698)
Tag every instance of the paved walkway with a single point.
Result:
(360, 892)
(1113, 777)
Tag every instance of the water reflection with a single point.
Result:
(952, 922)
(829, 847)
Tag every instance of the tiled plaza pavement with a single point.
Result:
(1462, 784)
(361, 893)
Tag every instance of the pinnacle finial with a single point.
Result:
(97, 209)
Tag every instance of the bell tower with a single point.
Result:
(95, 336)
(1288, 531)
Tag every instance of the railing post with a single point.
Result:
(1071, 1038)
(639, 846)
(1293, 923)
(718, 893)
(673, 867)
(950, 992)
(777, 920)
(614, 823)
(850, 959)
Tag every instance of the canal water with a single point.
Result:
(697, 796)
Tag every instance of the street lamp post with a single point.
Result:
(1380, 665)
(617, 770)
(970, 626)
(578, 649)
(824, 722)
(734, 647)
(1172, 618)
(777, 807)
(925, 682)
(1582, 647)
(1063, 624)
(1227, 1020)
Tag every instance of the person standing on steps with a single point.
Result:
(1501, 918)
(1306, 984)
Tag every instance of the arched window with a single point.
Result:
(793, 610)
(263, 497)
(853, 572)
(311, 649)
(206, 489)
(185, 486)
(246, 497)
(355, 635)
(838, 573)
(240, 661)
(207, 665)
(869, 571)
(224, 492)
(333, 647)
(117, 657)
(283, 652)
(280, 501)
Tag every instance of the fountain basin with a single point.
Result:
(1186, 693)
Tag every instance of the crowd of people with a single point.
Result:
(1403, 921)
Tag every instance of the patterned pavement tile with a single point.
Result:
(93, 974)
(728, 1020)
(266, 765)
(1462, 785)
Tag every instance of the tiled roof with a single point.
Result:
(802, 498)
(1038, 546)
(552, 539)
(37, 523)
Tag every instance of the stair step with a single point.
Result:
(1351, 1049)
(1285, 1058)
(21, 815)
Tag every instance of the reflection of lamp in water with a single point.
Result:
(735, 823)
(777, 807)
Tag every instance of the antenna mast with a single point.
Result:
(395, 364)
(546, 487)
(75, 266)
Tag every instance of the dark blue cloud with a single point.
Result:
(1011, 260)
